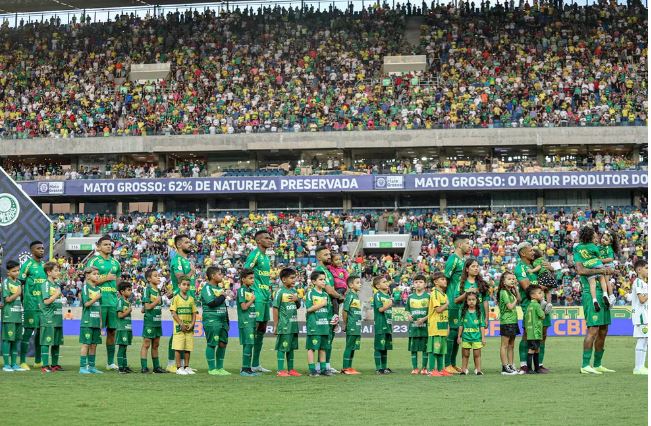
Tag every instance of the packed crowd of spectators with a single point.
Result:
(278, 70)
(144, 241)
(199, 168)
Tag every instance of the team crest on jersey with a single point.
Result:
(48, 338)
(124, 338)
(31, 320)
(216, 338)
(11, 333)
(251, 336)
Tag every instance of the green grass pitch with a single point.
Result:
(563, 397)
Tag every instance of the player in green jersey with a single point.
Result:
(533, 324)
(12, 317)
(91, 322)
(124, 334)
(109, 272)
(32, 277)
(417, 303)
(453, 271)
(51, 319)
(258, 261)
(352, 320)
(382, 304)
(152, 330)
(215, 321)
(525, 278)
(324, 258)
(285, 306)
(596, 321)
(318, 315)
(180, 266)
(246, 320)
(472, 335)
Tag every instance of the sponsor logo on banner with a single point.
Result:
(9, 209)
(51, 188)
(389, 182)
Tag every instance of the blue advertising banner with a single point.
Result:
(559, 327)
(339, 183)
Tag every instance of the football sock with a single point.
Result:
(45, 355)
(110, 354)
(91, 361)
(640, 352)
(83, 361)
(37, 342)
(170, 353)
(143, 362)
(122, 356)
(597, 358)
(290, 360)
(439, 362)
(587, 354)
(530, 361)
(347, 357)
(328, 354)
(24, 344)
(6, 350)
(350, 362)
(541, 354)
(257, 347)
(536, 362)
(210, 357)
(246, 356)
(55, 354)
(522, 348)
(450, 358)
(432, 361)
(221, 352)
(424, 363)
(14, 352)
(378, 360)
(156, 362)
(384, 355)
(280, 357)
(414, 360)
(312, 367)
(323, 366)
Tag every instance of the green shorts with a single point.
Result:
(32, 319)
(471, 345)
(417, 344)
(152, 332)
(123, 337)
(216, 333)
(353, 342)
(383, 342)
(592, 317)
(51, 336)
(317, 342)
(438, 345)
(12, 331)
(262, 311)
(287, 342)
(247, 336)
(90, 336)
(109, 317)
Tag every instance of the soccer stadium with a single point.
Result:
(342, 212)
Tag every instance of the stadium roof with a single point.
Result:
(21, 6)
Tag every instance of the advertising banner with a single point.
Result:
(338, 183)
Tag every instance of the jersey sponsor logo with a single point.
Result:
(10, 333)
(9, 209)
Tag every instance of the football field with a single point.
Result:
(563, 397)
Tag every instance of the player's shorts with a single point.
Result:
(383, 342)
(438, 345)
(247, 336)
(12, 331)
(353, 342)
(287, 342)
(90, 336)
(641, 330)
(109, 317)
(417, 344)
(31, 319)
(123, 337)
(453, 315)
(216, 333)
(183, 341)
(534, 345)
(51, 336)
(592, 317)
(472, 345)
(149, 332)
(262, 311)
(317, 343)
(509, 330)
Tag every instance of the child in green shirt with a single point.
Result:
(91, 322)
(124, 334)
(533, 324)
